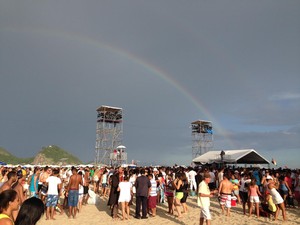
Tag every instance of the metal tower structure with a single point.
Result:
(202, 137)
(109, 134)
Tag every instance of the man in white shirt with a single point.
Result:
(54, 184)
(204, 195)
(192, 174)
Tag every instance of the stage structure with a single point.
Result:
(109, 134)
(202, 137)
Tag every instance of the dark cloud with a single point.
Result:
(240, 62)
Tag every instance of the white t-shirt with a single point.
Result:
(192, 174)
(203, 202)
(52, 185)
(212, 177)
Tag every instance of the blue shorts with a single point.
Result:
(73, 198)
(51, 200)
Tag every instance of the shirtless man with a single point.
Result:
(225, 190)
(86, 183)
(43, 177)
(18, 187)
(73, 192)
(11, 179)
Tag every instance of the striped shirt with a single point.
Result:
(153, 188)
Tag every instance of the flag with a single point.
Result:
(274, 162)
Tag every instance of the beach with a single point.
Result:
(99, 213)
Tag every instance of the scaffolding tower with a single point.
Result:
(109, 134)
(202, 137)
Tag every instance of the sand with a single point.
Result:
(100, 214)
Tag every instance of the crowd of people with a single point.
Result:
(65, 190)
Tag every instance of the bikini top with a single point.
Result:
(4, 216)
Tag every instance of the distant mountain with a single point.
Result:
(50, 155)
(55, 155)
(8, 158)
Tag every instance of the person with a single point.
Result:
(104, 183)
(203, 200)
(178, 186)
(212, 183)
(169, 191)
(245, 181)
(30, 212)
(43, 184)
(72, 192)
(236, 184)
(34, 182)
(18, 186)
(54, 184)
(284, 188)
(80, 194)
(11, 179)
(143, 186)
(220, 176)
(225, 191)
(269, 207)
(125, 189)
(115, 179)
(253, 195)
(277, 199)
(160, 188)
(185, 189)
(297, 188)
(192, 174)
(9, 202)
(96, 181)
(86, 183)
(152, 196)
(132, 178)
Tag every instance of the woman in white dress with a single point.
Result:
(277, 199)
(125, 188)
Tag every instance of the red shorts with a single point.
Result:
(152, 202)
(169, 194)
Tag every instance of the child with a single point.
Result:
(236, 184)
(254, 193)
(270, 207)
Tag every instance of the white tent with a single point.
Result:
(244, 156)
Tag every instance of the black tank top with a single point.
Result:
(180, 189)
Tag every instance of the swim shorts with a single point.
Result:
(73, 198)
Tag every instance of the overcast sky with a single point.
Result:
(166, 63)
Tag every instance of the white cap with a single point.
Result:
(155, 170)
(269, 177)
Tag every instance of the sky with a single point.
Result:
(165, 63)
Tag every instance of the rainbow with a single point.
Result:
(152, 69)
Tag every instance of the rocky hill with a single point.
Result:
(55, 155)
(49, 155)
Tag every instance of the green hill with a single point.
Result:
(49, 155)
(8, 158)
(55, 155)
